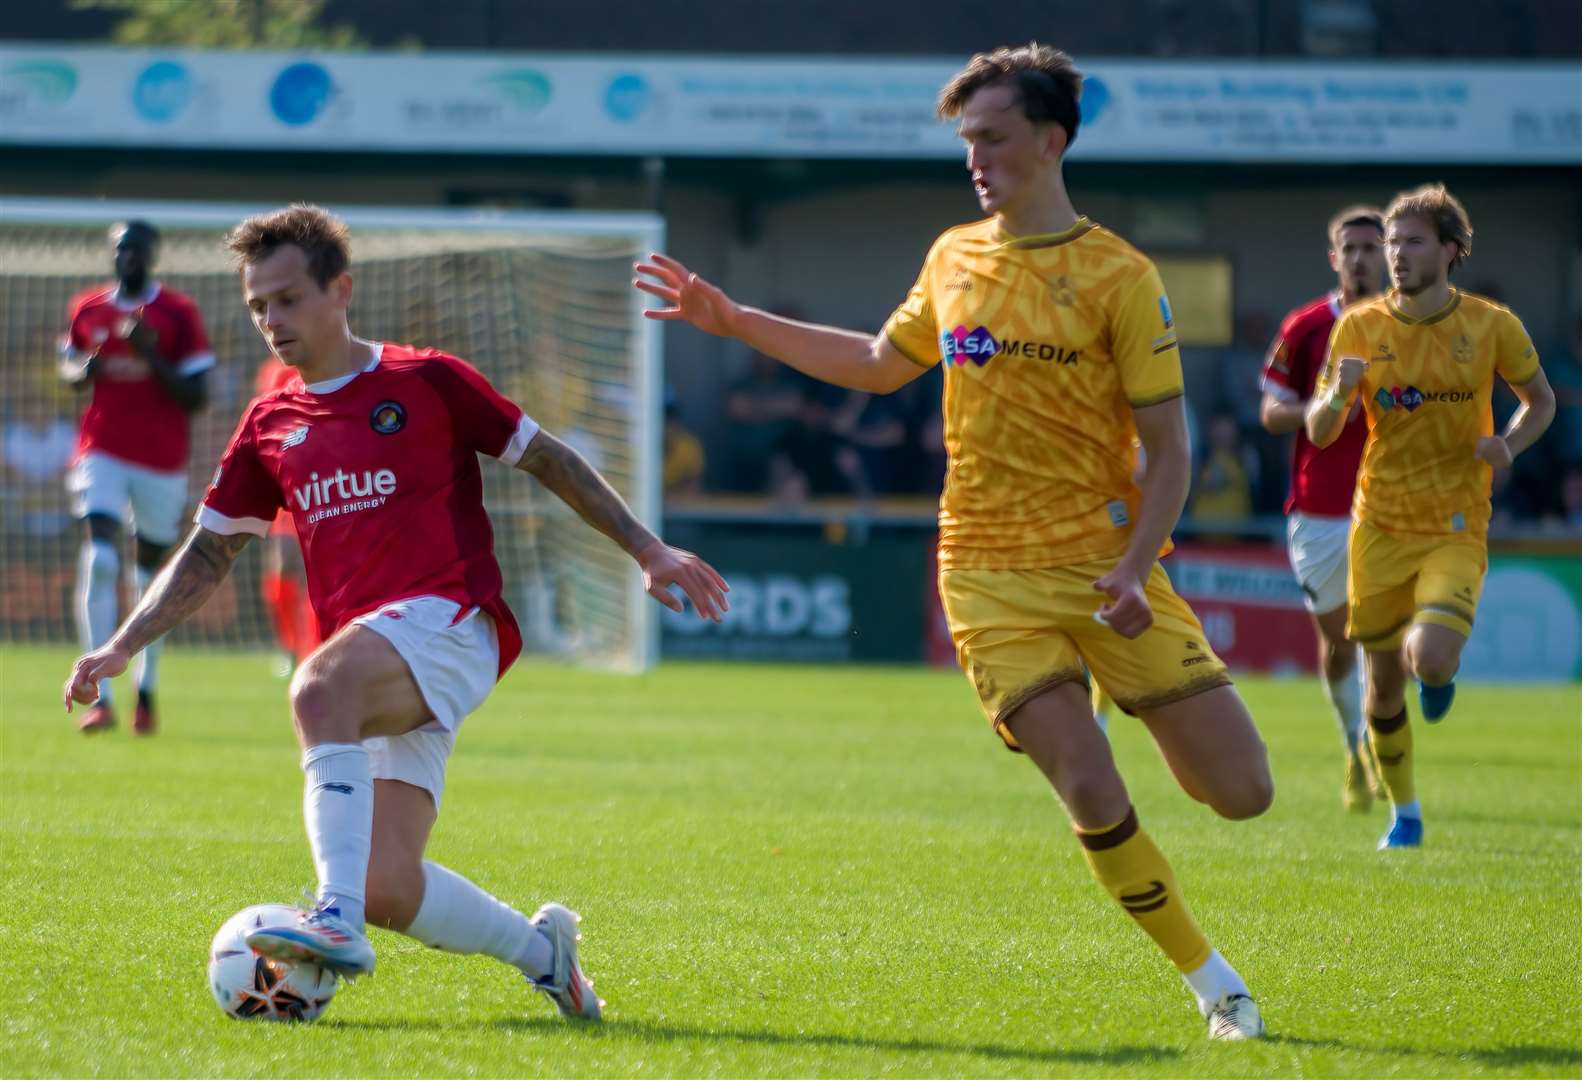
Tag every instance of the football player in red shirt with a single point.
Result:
(140, 346)
(1323, 480)
(375, 455)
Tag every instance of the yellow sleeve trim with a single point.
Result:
(1156, 399)
(904, 351)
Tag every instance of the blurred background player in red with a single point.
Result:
(1323, 480)
(141, 349)
(284, 583)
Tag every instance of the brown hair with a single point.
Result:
(321, 235)
(1360, 214)
(1046, 80)
(1439, 208)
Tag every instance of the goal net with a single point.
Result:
(540, 302)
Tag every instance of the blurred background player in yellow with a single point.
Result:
(1060, 351)
(1422, 358)
(1324, 479)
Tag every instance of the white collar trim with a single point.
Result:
(329, 386)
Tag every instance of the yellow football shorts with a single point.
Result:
(1020, 632)
(1396, 581)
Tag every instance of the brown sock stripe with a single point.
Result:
(1388, 725)
(1115, 837)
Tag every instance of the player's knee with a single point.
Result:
(318, 710)
(1251, 795)
(1340, 659)
(1434, 667)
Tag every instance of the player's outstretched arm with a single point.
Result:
(1281, 415)
(180, 589)
(1163, 431)
(844, 357)
(1531, 419)
(577, 484)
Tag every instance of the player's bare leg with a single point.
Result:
(444, 910)
(1215, 752)
(1057, 731)
(1337, 665)
(353, 686)
(1433, 655)
(1390, 732)
(98, 572)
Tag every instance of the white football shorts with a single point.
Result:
(1317, 546)
(103, 484)
(454, 661)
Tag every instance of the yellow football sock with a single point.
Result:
(1125, 861)
(1392, 745)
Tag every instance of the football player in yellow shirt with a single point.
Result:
(1060, 355)
(1423, 359)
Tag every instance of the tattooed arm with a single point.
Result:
(180, 589)
(577, 484)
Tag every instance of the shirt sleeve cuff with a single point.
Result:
(526, 428)
(216, 522)
(195, 363)
(1279, 391)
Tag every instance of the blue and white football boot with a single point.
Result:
(319, 937)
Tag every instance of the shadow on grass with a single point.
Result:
(647, 1032)
(1492, 1056)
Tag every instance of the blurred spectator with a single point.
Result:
(683, 452)
(1225, 479)
(763, 411)
(871, 452)
(922, 400)
(35, 450)
(1571, 496)
(1565, 375)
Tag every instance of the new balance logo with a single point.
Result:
(1153, 898)
(295, 437)
(344, 789)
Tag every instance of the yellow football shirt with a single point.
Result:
(1427, 393)
(1048, 342)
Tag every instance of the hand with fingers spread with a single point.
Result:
(691, 298)
(663, 566)
(1127, 612)
(103, 663)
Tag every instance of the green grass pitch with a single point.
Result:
(829, 871)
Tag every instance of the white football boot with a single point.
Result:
(319, 937)
(1235, 1017)
(565, 985)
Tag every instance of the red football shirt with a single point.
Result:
(274, 374)
(1322, 480)
(379, 470)
(130, 416)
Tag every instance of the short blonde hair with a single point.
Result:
(1434, 204)
(322, 236)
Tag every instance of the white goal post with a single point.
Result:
(541, 302)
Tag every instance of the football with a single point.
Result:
(250, 986)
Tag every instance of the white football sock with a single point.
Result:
(338, 807)
(1212, 981)
(1345, 696)
(148, 659)
(97, 568)
(459, 917)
